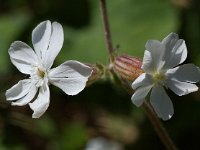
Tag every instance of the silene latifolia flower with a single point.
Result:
(161, 70)
(71, 76)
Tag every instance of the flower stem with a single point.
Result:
(106, 28)
(162, 133)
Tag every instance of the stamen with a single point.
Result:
(40, 73)
(158, 77)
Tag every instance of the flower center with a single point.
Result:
(40, 73)
(159, 77)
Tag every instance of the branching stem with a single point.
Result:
(160, 130)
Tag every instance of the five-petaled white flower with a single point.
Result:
(159, 61)
(71, 76)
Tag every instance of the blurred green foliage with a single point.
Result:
(103, 109)
(132, 23)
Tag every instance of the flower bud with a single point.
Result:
(97, 72)
(127, 67)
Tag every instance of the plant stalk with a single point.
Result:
(160, 130)
(106, 26)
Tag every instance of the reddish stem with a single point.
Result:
(160, 130)
(106, 27)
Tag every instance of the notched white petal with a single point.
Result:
(170, 40)
(161, 103)
(147, 63)
(157, 50)
(71, 69)
(40, 105)
(55, 44)
(176, 55)
(143, 80)
(181, 50)
(181, 88)
(139, 95)
(70, 86)
(40, 38)
(185, 73)
(27, 98)
(70, 76)
(152, 45)
(19, 90)
(22, 56)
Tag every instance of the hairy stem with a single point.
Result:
(106, 28)
(162, 133)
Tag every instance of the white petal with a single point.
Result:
(27, 98)
(40, 38)
(185, 73)
(139, 96)
(147, 63)
(170, 40)
(70, 76)
(40, 105)
(181, 88)
(143, 80)
(161, 103)
(55, 45)
(157, 51)
(19, 90)
(176, 55)
(22, 56)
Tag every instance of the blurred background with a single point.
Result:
(102, 117)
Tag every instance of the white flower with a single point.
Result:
(71, 76)
(159, 61)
